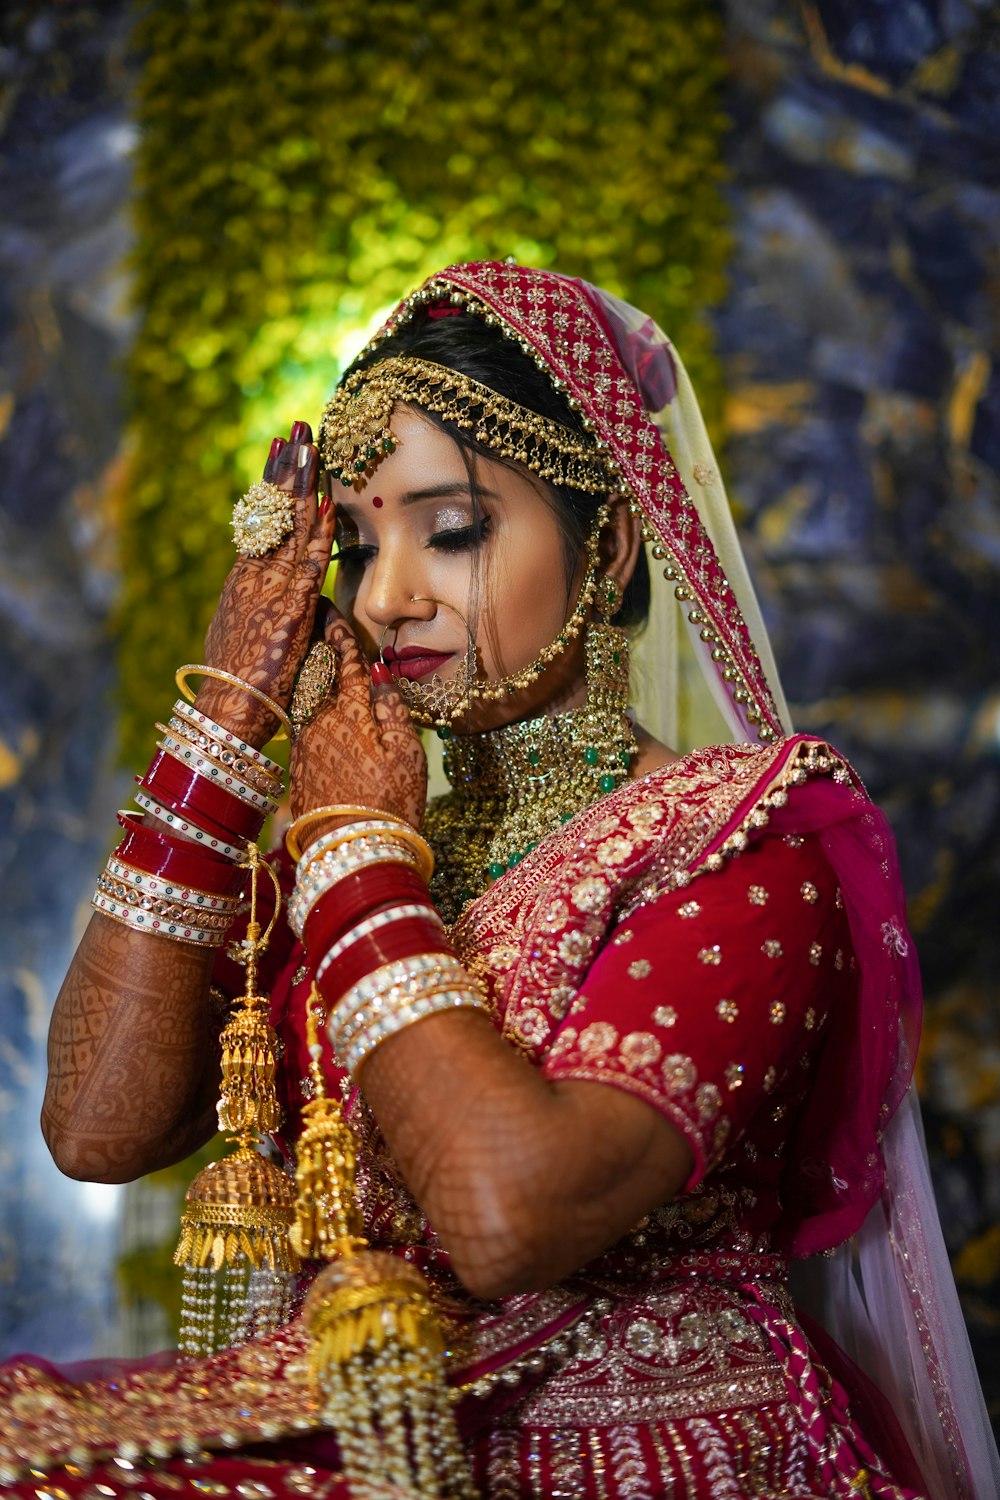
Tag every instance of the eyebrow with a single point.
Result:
(429, 492)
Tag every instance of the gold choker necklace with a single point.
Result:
(514, 785)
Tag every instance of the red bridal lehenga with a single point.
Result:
(725, 938)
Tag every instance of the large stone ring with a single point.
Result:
(262, 518)
(313, 685)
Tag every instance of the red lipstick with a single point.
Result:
(414, 662)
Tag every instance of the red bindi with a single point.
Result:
(377, 501)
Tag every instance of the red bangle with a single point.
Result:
(187, 791)
(402, 939)
(356, 896)
(177, 860)
(195, 816)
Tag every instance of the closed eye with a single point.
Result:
(353, 555)
(461, 538)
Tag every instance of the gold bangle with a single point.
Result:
(401, 834)
(321, 814)
(182, 674)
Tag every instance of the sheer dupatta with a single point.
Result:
(703, 664)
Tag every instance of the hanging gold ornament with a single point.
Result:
(234, 1245)
(376, 1361)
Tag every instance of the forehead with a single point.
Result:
(429, 464)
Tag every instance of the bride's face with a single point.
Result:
(416, 556)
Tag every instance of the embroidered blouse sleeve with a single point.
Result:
(704, 1000)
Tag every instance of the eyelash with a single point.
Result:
(460, 539)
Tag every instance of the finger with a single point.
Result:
(391, 715)
(319, 543)
(352, 677)
(269, 468)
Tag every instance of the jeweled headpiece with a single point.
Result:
(355, 432)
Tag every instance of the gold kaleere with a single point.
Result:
(234, 1244)
(376, 1361)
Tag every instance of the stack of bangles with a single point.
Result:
(214, 791)
(376, 945)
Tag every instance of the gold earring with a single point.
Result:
(608, 597)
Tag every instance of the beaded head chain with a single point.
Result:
(355, 432)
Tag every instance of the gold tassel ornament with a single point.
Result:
(234, 1245)
(376, 1360)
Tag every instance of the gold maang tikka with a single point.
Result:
(355, 431)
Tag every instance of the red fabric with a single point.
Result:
(706, 1002)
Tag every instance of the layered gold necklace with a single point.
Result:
(514, 785)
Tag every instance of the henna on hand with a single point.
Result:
(361, 746)
(132, 1074)
(262, 627)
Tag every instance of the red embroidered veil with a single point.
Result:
(887, 1292)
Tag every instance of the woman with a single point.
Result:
(662, 1048)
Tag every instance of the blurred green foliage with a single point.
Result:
(303, 165)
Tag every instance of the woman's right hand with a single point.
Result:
(262, 627)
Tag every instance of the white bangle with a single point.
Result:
(184, 710)
(218, 775)
(184, 825)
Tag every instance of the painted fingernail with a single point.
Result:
(381, 674)
(276, 446)
(324, 507)
(305, 454)
(300, 433)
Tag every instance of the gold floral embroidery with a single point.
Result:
(614, 851)
(776, 1011)
(665, 1015)
(531, 1026)
(625, 935)
(734, 1075)
(596, 1038)
(771, 947)
(576, 945)
(689, 909)
(810, 1019)
(708, 1100)
(809, 892)
(770, 1079)
(712, 955)
(679, 1073)
(815, 952)
(640, 1049)
(757, 895)
(639, 969)
(727, 1010)
(590, 894)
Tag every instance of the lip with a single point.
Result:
(414, 662)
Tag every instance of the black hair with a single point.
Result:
(483, 353)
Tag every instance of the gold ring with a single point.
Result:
(313, 685)
(262, 518)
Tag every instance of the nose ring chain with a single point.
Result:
(434, 700)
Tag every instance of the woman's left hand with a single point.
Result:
(361, 746)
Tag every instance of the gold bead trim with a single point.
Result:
(355, 433)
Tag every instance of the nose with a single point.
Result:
(391, 591)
